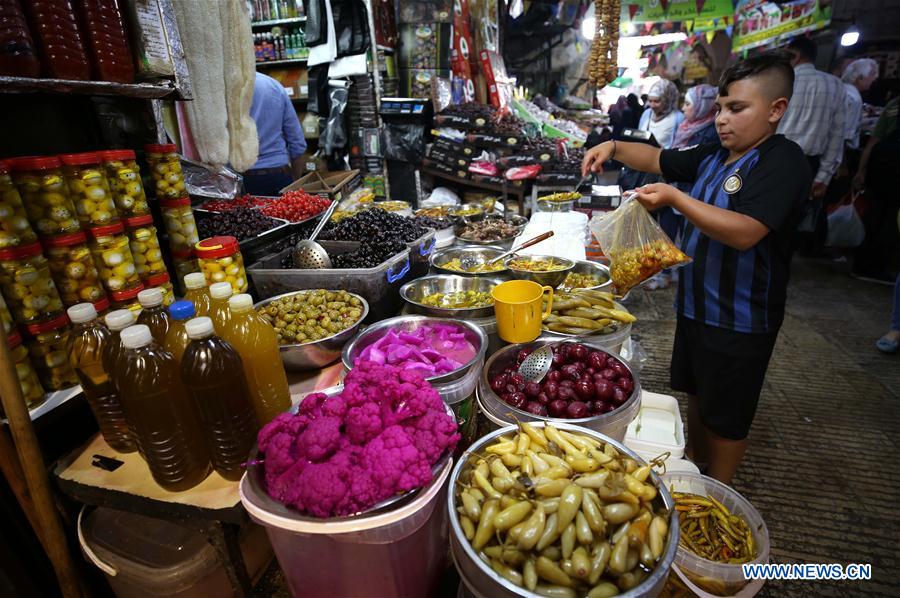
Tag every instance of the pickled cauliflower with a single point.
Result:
(343, 454)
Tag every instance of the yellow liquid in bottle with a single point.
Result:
(163, 417)
(254, 339)
(220, 314)
(87, 344)
(157, 320)
(201, 299)
(177, 340)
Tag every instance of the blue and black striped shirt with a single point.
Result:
(743, 291)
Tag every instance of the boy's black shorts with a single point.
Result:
(724, 369)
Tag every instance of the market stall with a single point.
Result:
(345, 377)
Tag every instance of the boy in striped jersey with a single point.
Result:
(746, 200)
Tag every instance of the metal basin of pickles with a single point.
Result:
(558, 510)
(321, 350)
(542, 269)
(417, 292)
(449, 260)
(596, 274)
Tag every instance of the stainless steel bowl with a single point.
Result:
(474, 335)
(556, 206)
(518, 221)
(601, 271)
(474, 217)
(552, 279)
(413, 292)
(482, 580)
(441, 257)
(315, 354)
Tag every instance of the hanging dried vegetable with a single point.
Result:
(603, 60)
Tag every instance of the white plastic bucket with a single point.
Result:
(401, 552)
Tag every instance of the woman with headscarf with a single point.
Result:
(663, 118)
(699, 124)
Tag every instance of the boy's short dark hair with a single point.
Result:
(774, 66)
(804, 46)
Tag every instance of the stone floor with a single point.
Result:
(823, 444)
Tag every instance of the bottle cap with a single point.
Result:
(82, 312)
(80, 159)
(241, 302)
(195, 280)
(182, 310)
(119, 319)
(220, 290)
(201, 327)
(137, 336)
(150, 297)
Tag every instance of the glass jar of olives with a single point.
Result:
(45, 195)
(221, 261)
(73, 270)
(102, 307)
(184, 263)
(163, 282)
(89, 189)
(47, 345)
(27, 285)
(109, 245)
(128, 300)
(15, 229)
(144, 244)
(165, 168)
(124, 177)
(28, 380)
(6, 321)
(180, 225)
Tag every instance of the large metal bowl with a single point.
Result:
(518, 221)
(552, 279)
(601, 271)
(489, 252)
(482, 580)
(313, 355)
(477, 212)
(474, 335)
(413, 292)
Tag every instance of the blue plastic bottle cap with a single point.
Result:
(182, 310)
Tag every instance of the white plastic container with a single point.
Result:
(657, 429)
(399, 552)
(143, 556)
(711, 578)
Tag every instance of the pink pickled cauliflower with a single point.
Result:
(341, 455)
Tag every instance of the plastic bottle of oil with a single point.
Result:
(116, 322)
(213, 373)
(87, 341)
(197, 292)
(160, 412)
(153, 313)
(219, 313)
(176, 338)
(254, 339)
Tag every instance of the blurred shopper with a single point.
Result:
(633, 112)
(664, 117)
(815, 121)
(617, 116)
(858, 78)
(879, 175)
(699, 124)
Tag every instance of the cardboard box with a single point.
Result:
(335, 185)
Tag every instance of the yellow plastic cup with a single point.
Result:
(517, 304)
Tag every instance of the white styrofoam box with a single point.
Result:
(569, 232)
(678, 465)
(657, 428)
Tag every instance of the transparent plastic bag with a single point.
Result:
(637, 247)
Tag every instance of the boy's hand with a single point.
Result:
(595, 157)
(818, 190)
(658, 195)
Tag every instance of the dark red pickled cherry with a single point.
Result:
(577, 409)
(590, 370)
(557, 408)
(523, 353)
(609, 374)
(553, 376)
(517, 380)
(603, 389)
(571, 372)
(585, 390)
(567, 383)
(558, 359)
(543, 398)
(532, 389)
(551, 389)
(597, 360)
(578, 353)
(498, 384)
(509, 371)
(619, 368)
(511, 388)
(595, 407)
(626, 384)
(618, 397)
(518, 400)
(607, 407)
(566, 393)
(506, 398)
(535, 408)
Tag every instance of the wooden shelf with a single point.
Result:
(274, 22)
(518, 191)
(53, 400)
(293, 61)
(147, 91)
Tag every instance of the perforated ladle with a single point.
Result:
(309, 255)
(536, 366)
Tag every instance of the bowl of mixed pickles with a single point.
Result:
(468, 212)
(587, 275)
(451, 296)
(313, 326)
(543, 269)
(469, 260)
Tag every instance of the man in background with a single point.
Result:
(281, 141)
(815, 121)
(858, 78)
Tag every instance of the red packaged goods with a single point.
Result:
(107, 40)
(296, 206)
(483, 167)
(223, 205)
(61, 45)
(18, 57)
(518, 173)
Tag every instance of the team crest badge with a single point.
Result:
(732, 184)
